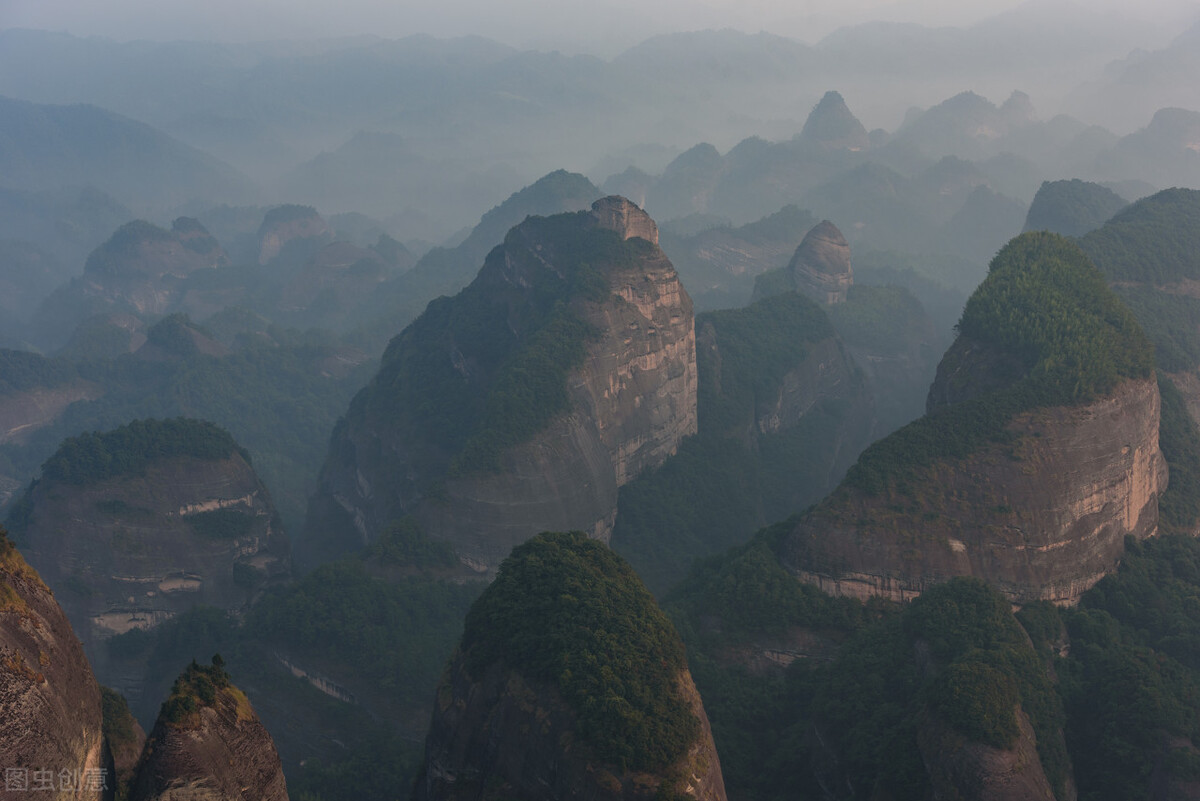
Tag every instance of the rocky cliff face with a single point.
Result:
(1038, 506)
(630, 397)
(51, 738)
(1042, 516)
(130, 551)
(208, 745)
(821, 265)
(820, 268)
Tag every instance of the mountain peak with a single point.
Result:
(618, 214)
(832, 125)
(821, 265)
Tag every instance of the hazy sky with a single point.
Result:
(600, 25)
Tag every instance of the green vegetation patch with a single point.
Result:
(886, 319)
(395, 635)
(568, 611)
(1154, 241)
(1132, 681)
(404, 544)
(1072, 208)
(1179, 505)
(1046, 305)
(1170, 322)
(197, 687)
(128, 450)
(119, 724)
(21, 371)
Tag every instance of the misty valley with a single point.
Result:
(728, 419)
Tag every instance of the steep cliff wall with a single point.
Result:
(1028, 481)
(51, 739)
(208, 745)
(567, 622)
(522, 404)
(133, 548)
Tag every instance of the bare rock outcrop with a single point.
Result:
(51, 736)
(618, 214)
(821, 265)
(628, 397)
(208, 745)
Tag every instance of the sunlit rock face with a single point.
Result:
(51, 741)
(1041, 517)
(632, 398)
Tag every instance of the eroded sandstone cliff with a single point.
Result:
(51, 738)
(1039, 456)
(208, 745)
(601, 331)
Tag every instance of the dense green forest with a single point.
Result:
(1117, 679)
(21, 371)
(127, 450)
(848, 711)
(567, 611)
(1154, 241)
(1072, 208)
